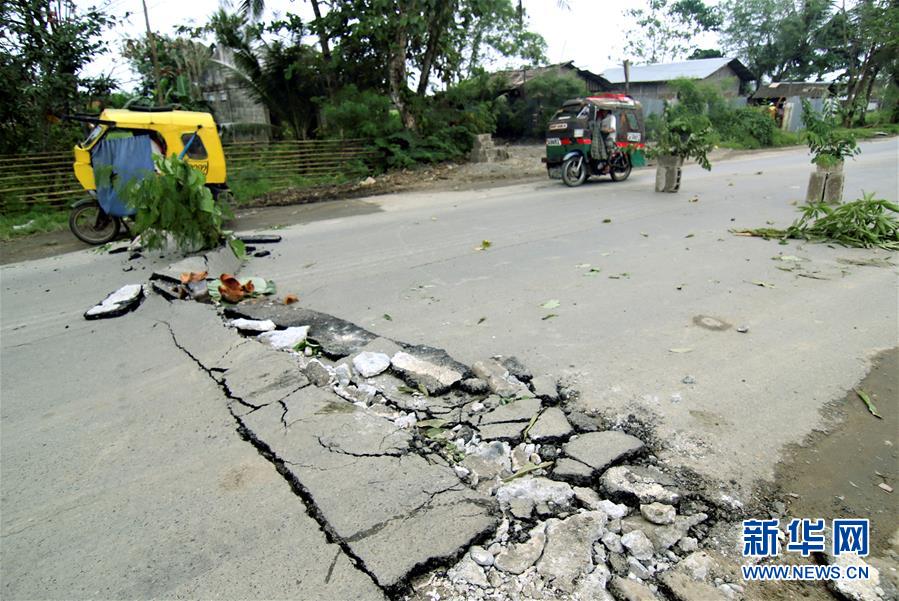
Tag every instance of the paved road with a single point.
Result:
(809, 340)
(123, 473)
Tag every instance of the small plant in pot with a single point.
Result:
(681, 136)
(830, 147)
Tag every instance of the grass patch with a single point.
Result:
(32, 221)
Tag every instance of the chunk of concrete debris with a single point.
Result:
(644, 484)
(520, 411)
(252, 325)
(516, 368)
(854, 590)
(593, 585)
(658, 513)
(612, 542)
(688, 544)
(284, 339)
(434, 377)
(599, 450)
(481, 556)
(631, 590)
(587, 496)
(683, 588)
(539, 490)
(583, 422)
(546, 387)
(489, 460)
(615, 511)
(498, 379)
(517, 558)
(474, 386)
(551, 424)
(125, 299)
(342, 374)
(468, 572)
(572, 471)
(638, 545)
(663, 537)
(318, 373)
(368, 364)
(568, 554)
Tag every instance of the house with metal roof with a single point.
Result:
(650, 83)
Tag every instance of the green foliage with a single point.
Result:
(748, 127)
(864, 223)
(182, 65)
(684, 135)
(249, 184)
(43, 48)
(527, 114)
(829, 144)
(176, 202)
(664, 30)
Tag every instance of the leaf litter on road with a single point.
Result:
(552, 303)
(868, 403)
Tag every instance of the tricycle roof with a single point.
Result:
(189, 119)
(606, 101)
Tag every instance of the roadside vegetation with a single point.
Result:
(414, 82)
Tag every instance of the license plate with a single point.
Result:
(553, 142)
(633, 136)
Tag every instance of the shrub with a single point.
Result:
(829, 144)
(176, 202)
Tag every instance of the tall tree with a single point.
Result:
(664, 30)
(43, 48)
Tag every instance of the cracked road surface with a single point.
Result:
(160, 455)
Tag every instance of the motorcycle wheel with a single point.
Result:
(574, 171)
(620, 168)
(90, 223)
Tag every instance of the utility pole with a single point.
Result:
(627, 78)
(152, 41)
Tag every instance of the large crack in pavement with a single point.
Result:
(279, 465)
(409, 461)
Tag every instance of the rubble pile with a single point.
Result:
(580, 512)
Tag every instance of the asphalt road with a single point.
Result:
(123, 474)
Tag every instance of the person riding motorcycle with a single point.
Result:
(606, 133)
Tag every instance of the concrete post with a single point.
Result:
(826, 185)
(668, 173)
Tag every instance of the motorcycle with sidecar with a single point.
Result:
(124, 142)
(574, 141)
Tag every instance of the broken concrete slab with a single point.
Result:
(369, 364)
(318, 373)
(568, 553)
(125, 299)
(284, 340)
(854, 590)
(516, 368)
(539, 490)
(639, 483)
(262, 376)
(516, 558)
(252, 325)
(498, 379)
(583, 422)
(572, 471)
(345, 459)
(502, 431)
(552, 424)
(631, 590)
(683, 588)
(658, 513)
(593, 585)
(429, 371)
(663, 537)
(337, 337)
(546, 387)
(638, 544)
(599, 450)
(521, 410)
(467, 571)
(489, 460)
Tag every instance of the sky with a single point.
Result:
(589, 32)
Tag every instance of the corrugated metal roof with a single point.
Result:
(786, 89)
(696, 69)
(515, 78)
